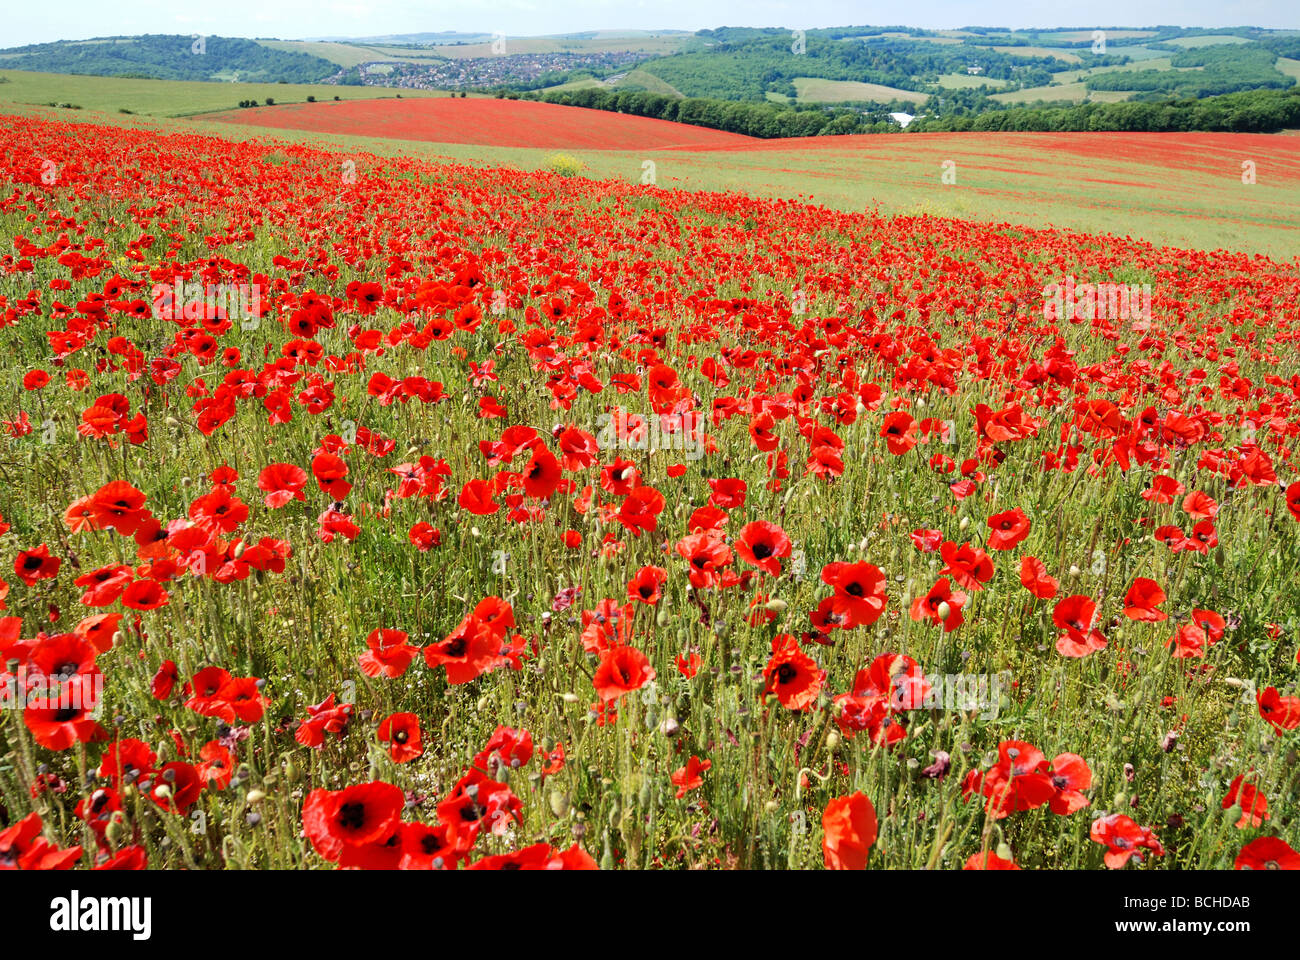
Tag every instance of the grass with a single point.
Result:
(633, 79)
(1058, 53)
(1214, 40)
(817, 90)
(959, 81)
(171, 98)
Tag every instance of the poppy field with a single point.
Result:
(498, 123)
(378, 512)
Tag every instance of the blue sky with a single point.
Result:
(293, 19)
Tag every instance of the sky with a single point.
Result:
(25, 23)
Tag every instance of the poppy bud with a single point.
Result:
(944, 610)
(570, 698)
(256, 796)
(1004, 851)
(832, 740)
(114, 830)
(775, 605)
(559, 803)
(607, 858)
(1074, 570)
(646, 796)
(965, 523)
(662, 617)
(291, 772)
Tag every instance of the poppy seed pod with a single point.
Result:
(560, 804)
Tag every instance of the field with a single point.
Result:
(377, 492)
(1179, 189)
(1059, 54)
(171, 98)
(502, 123)
(816, 90)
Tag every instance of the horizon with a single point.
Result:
(301, 20)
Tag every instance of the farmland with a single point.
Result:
(446, 482)
(623, 527)
(500, 123)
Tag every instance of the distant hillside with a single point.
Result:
(170, 57)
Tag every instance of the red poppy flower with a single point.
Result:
(282, 482)
(330, 471)
(541, 475)
(647, 584)
(23, 848)
(622, 669)
(641, 509)
(727, 494)
(1035, 579)
(848, 830)
(689, 778)
(355, 816)
(860, 594)
(1070, 777)
(1253, 803)
(118, 506)
(1075, 616)
(401, 731)
(1018, 781)
(1279, 712)
(968, 565)
(792, 675)
(1123, 839)
(762, 544)
(470, 650)
(1008, 529)
(64, 716)
(1143, 600)
(988, 861)
(707, 556)
(899, 431)
(389, 654)
(476, 497)
(942, 605)
(324, 717)
(144, 595)
(1267, 853)
(33, 565)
